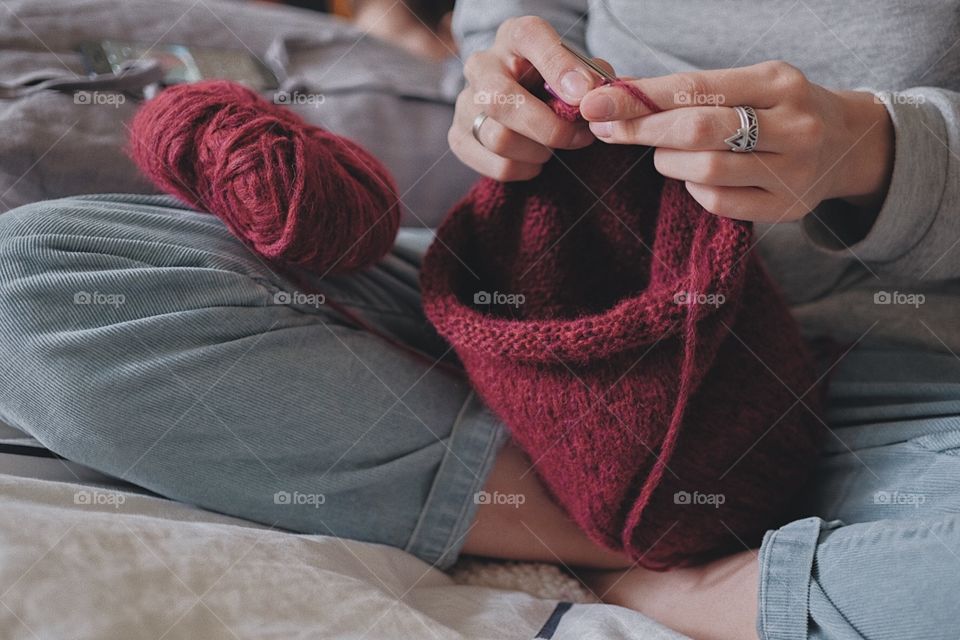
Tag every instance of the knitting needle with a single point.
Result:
(606, 75)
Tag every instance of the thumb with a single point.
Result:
(535, 40)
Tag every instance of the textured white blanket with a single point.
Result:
(77, 561)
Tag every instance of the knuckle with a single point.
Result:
(455, 140)
(552, 132)
(489, 93)
(506, 27)
(713, 167)
(555, 135)
(660, 161)
(693, 85)
(810, 128)
(464, 101)
(503, 171)
(523, 28)
(499, 141)
(472, 64)
(553, 61)
(698, 131)
(784, 76)
(712, 201)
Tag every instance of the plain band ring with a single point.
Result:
(477, 123)
(746, 137)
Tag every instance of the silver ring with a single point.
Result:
(477, 123)
(746, 137)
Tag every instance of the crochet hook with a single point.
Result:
(603, 73)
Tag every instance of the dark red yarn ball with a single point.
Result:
(295, 193)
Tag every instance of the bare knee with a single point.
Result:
(520, 521)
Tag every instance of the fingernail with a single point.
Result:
(602, 129)
(582, 138)
(598, 107)
(575, 84)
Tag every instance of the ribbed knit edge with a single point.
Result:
(452, 503)
(786, 561)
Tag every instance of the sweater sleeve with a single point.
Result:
(475, 23)
(916, 233)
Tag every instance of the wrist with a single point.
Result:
(863, 173)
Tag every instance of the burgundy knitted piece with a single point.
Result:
(669, 430)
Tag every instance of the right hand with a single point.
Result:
(520, 131)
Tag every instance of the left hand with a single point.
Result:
(814, 144)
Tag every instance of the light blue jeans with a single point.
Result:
(141, 339)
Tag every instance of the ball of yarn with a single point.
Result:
(296, 194)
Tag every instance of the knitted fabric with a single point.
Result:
(635, 348)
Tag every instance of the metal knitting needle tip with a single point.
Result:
(603, 73)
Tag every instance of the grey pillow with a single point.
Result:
(397, 106)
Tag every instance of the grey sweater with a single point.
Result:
(899, 281)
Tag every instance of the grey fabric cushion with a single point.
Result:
(396, 105)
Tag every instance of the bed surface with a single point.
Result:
(80, 558)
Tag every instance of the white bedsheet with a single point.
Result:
(77, 561)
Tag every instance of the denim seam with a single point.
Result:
(434, 546)
(459, 530)
(777, 568)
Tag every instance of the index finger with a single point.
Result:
(753, 85)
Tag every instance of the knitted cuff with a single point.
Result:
(452, 503)
(786, 562)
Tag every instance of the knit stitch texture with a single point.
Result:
(636, 349)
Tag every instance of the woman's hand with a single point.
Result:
(814, 144)
(520, 130)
